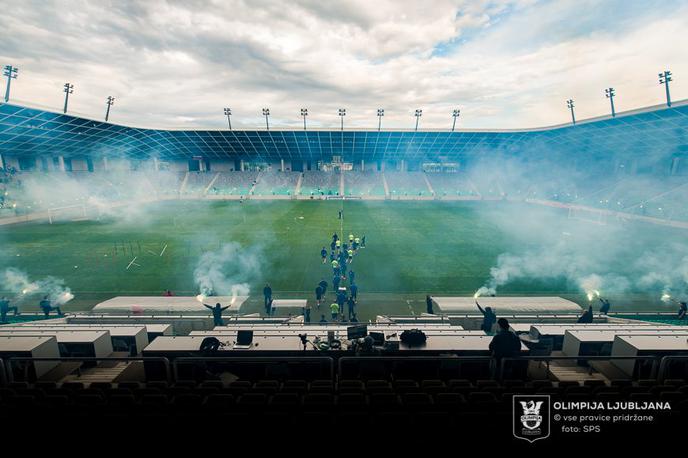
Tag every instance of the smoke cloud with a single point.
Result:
(120, 193)
(19, 283)
(596, 254)
(227, 271)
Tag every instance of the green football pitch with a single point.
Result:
(413, 249)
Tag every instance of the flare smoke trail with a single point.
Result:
(587, 255)
(227, 271)
(19, 283)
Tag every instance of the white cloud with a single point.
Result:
(504, 63)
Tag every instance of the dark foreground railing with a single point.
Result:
(23, 365)
(324, 366)
(657, 367)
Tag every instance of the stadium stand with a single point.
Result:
(319, 183)
(234, 183)
(276, 183)
(364, 184)
(197, 182)
(404, 184)
(639, 196)
(451, 185)
(165, 184)
(488, 188)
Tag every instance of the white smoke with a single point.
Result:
(227, 271)
(119, 193)
(587, 254)
(19, 283)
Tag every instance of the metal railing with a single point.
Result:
(548, 359)
(324, 360)
(405, 359)
(658, 371)
(9, 372)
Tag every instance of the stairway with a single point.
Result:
(210, 185)
(384, 183)
(297, 190)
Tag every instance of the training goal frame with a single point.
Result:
(589, 215)
(68, 213)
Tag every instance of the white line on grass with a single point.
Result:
(132, 262)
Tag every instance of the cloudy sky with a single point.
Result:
(504, 63)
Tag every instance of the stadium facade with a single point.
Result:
(654, 139)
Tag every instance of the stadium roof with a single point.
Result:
(26, 131)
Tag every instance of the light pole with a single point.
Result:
(455, 114)
(664, 79)
(68, 89)
(11, 73)
(380, 114)
(342, 113)
(569, 103)
(266, 113)
(228, 113)
(418, 114)
(304, 113)
(610, 93)
(110, 102)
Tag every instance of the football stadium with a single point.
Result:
(459, 279)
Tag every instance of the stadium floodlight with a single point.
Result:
(569, 103)
(418, 114)
(455, 114)
(342, 113)
(11, 73)
(665, 78)
(228, 113)
(304, 113)
(266, 113)
(68, 89)
(380, 114)
(610, 93)
(110, 102)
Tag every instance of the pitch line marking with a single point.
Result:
(133, 263)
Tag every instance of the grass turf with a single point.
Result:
(413, 248)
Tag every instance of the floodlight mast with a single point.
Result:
(342, 113)
(569, 103)
(455, 114)
(266, 113)
(380, 114)
(228, 113)
(610, 93)
(418, 114)
(110, 102)
(304, 113)
(665, 78)
(68, 89)
(11, 73)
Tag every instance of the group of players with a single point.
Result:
(341, 256)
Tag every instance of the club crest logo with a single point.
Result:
(531, 417)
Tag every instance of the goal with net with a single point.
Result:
(68, 213)
(588, 214)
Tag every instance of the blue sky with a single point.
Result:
(504, 63)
